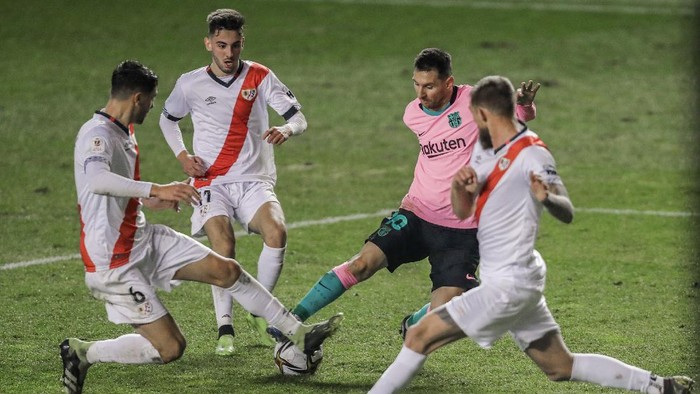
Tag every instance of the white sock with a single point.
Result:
(270, 266)
(223, 306)
(400, 372)
(254, 298)
(609, 372)
(127, 349)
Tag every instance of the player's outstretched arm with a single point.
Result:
(554, 197)
(464, 184)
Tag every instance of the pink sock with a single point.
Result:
(346, 277)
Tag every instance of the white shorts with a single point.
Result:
(490, 310)
(129, 291)
(238, 201)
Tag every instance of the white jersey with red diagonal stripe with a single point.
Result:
(510, 216)
(110, 227)
(229, 119)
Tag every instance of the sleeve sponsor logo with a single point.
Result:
(98, 145)
(549, 169)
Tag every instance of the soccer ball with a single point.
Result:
(290, 360)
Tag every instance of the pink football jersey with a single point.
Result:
(446, 141)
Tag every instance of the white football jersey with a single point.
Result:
(109, 226)
(229, 119)
(509, 218)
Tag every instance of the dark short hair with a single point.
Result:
(131, 77)
(227, 19)
(495, 93)
(434, 59)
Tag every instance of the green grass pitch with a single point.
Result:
(615, 109)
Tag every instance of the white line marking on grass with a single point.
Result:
(46, 260)
(659, 8)
(358, 216)
(636, 212)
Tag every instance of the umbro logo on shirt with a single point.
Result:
(210, 100)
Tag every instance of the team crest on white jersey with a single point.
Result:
(249, 94)
(503, 163)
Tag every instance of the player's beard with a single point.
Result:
(485, 138)
(140, 114)
(140, 117)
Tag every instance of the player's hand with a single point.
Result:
(192, 165)
(539, 188)
(176, 191)
(277, 135)
(526, 93)
(465, 178)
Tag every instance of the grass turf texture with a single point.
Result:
(613, 109)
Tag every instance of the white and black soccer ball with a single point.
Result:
(291, 360)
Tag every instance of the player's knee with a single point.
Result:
(173, 350)
(275, 235)
(225, 273)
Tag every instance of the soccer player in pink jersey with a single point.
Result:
(515, 177)
(126, 259)
(233, 162)
(424, 225)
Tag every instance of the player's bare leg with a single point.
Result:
(438, 297)
(254, 298)
(336, 281)
(223, 241)
(435, 330)
(154, 343)
(269, 222)
(559, 364)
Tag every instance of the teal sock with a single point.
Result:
(325, 291)
(417, 315)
